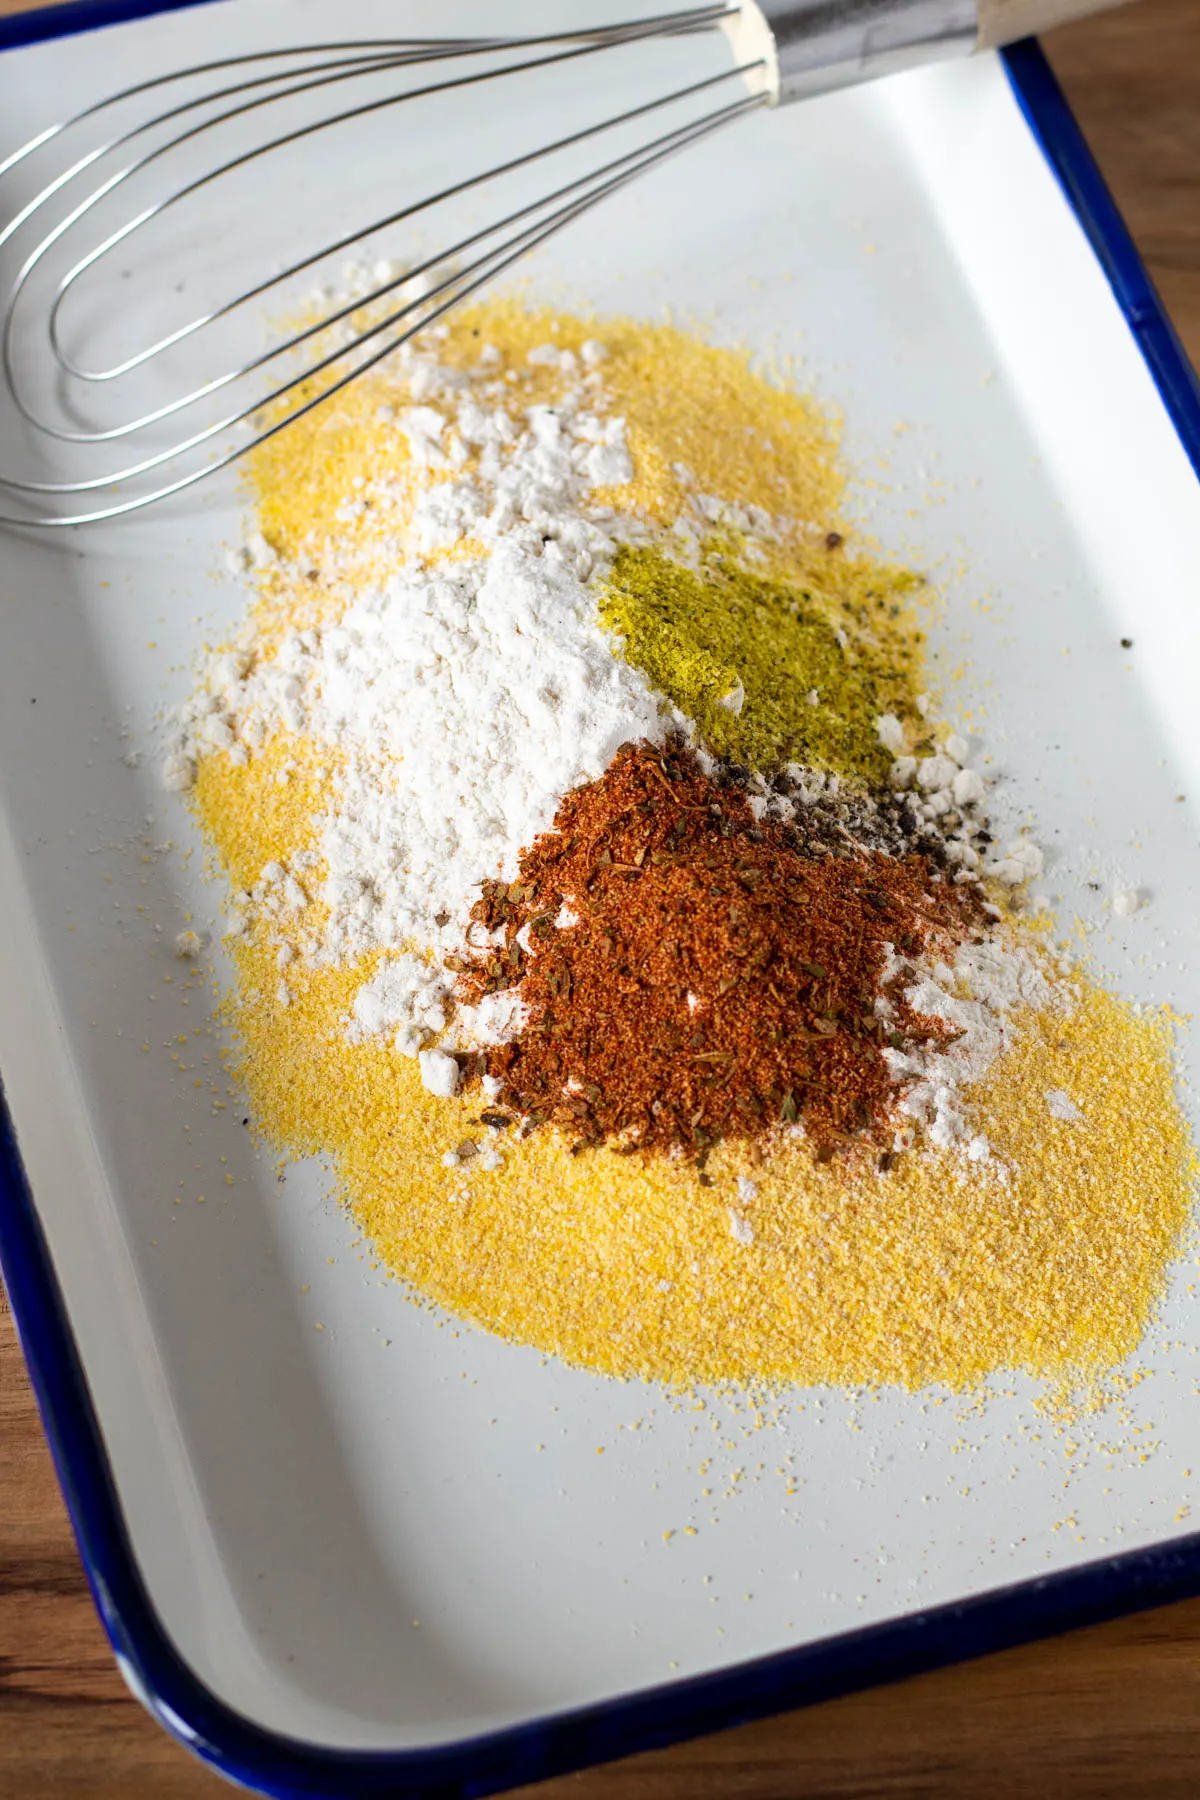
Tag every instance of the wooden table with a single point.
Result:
(1112, 1711)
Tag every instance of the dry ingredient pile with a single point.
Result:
(609, 905)
(717, 980)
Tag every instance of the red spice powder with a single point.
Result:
(719, 982)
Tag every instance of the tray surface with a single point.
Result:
(349, 1532)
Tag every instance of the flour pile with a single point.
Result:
(428, 803)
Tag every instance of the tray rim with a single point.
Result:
(287, 1767)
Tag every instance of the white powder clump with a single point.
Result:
(1061, 1106)
(977, 997)
(892, 734)
(459, 702)
(497, 1019)
(464, 708)
(1125, 902)
(741, 1228)
(178, 772)
(936, 772)
(439, 1073)
(1022, 861)
(255, 553)
(967, 788)
(405, 993)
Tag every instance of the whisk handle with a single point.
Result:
(792, 48)
(1004, 21)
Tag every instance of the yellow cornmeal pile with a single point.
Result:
(686, 405)
(937, 1272)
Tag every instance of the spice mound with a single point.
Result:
(692, 976)
(768, 668)
(615, 912)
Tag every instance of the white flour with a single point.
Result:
(405, 992)
(1060, 1105)
(978, 997)
(427, 803)
(461, 700)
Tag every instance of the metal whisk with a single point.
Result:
(140, 174)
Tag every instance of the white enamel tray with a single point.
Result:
(335, 1560)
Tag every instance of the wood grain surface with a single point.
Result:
(1111, 1713)
(1007, 21)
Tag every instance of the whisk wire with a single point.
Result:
(444, 279)
(453, 191)
(359, 64)
(697, 18)
(189, 72)
(90, 201)
(295, 136)
(483, 271)
(285, 139)
(616, 172)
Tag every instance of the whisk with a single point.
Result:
(142, 173)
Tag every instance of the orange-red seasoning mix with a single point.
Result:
(711, 981)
